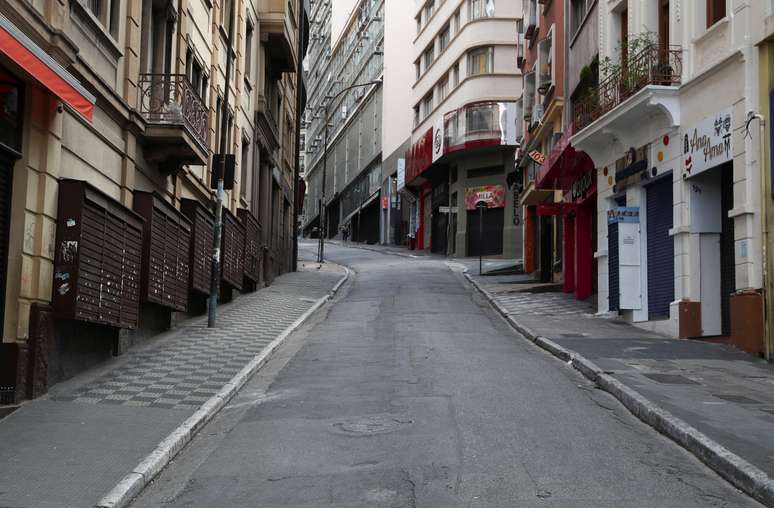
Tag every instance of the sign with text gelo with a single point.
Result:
(708, 143)
(492, 195)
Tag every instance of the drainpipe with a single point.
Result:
(765, 282)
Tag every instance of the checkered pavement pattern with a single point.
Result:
(544, 304)
(191, 365)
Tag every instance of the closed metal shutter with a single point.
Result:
(660, 249)
(6, 182)
(612, 267)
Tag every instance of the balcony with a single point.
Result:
(646, 86)
(266, 124)
(177, 121)
(273, 20)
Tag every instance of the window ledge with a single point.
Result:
(719, 25)
(85, 19)
(585, 19)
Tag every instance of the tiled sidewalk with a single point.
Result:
(70, 448)
(722, 392)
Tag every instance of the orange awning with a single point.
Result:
(22, 51)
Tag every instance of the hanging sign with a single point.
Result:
(401, 180)
(708, 143)
(582, 186)
(492, 195)
(537, 156)
(438, 134)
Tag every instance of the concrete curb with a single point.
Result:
(133, 483)
(373, 249)
(737, 471)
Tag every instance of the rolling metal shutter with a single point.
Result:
(660, 249)
(232, 251)
(97, 258)
(6, 184)
(202, 236)
(727, 255)
(253, 248)
(166, 256)
(612, 267)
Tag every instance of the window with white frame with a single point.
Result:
(481, 61)
(444, 37)
(529, 94)
(443, 88)
(545, 63)
(107, 13)
(427, 105)
(429, 56)
(455, 72)
(481, 9)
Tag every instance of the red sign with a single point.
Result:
(385, 202)
(492, 195)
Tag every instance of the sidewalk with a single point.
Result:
(73, 446)
(717, 390)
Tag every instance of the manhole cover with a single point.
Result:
(739, 399)
(371, 425)
(671, 379)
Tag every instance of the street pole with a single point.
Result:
(480, 205)
(212, 303)
(299, 115)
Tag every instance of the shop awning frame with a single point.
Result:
(39, 65)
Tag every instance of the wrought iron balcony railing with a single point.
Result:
(654, 65)
(169, 99)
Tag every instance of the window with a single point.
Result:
(418, 68)
(579, 9)
(455, 74)
(480, 117)
(107, 13)
(429, 56)
(443, 88)
(427, 105)
(416, 116)
(481, 9)
(457, 21)
(481, 61)
(444, 37)
(196, 77)
(429, 10)
(243, 169)
(225, 12)
(248, 49)
(716, 10)
(419, 22)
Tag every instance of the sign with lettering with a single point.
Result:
(582, 186)
(492, 195)
(537, 156)
(438, 135)
(708, 143)
(623, 214)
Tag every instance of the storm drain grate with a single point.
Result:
(671, 379)
(739, 399)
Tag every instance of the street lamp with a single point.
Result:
(323, 205)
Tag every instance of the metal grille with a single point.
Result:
(166, 245)
(232, 251)
(661, 249)
(202, 235)
(97, 260)
(253, 247)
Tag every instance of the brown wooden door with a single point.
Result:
(663, 23)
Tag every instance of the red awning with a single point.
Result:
(22, 51)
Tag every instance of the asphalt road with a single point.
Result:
(410, 391)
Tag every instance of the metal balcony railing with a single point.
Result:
(169, 99)
(654, 65)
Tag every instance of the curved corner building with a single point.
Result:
(466, 128)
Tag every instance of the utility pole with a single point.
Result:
(300, 102)
(212, 302)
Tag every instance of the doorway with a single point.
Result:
(490, 242)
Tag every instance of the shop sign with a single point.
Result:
(623, 214)
(537, 156)
(438, 135)
(447, 209)
(708, 143)
(581, 186)
(516, 208)
(492, 195)
(385, 202)
(631, 168)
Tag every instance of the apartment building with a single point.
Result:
(344, 133)
(465, 128)
(542, 106)
(111, 117)
(678, 176)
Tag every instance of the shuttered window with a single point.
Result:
(97, 259)
(232, 251)
(202, 235)
(252, 244)
(166, 244)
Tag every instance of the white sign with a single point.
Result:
(630, 293)
(708, 143)
(401, 174)
(447, 209)
(438, 134)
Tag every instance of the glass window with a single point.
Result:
(481, 61)
(11, 95)
(481, 9)
(479, 117)
(427, 105)
(716, 10)
(444, 37)
(456, 74)
(248, 50)
(443, 88)
(429, 56)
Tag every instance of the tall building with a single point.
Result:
(465, 133)
(342, 56)
(111, 113)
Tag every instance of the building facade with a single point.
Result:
(344, 180)
(112, 113)
(676, 169)
(465, 131)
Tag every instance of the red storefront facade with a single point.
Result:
(573, 173)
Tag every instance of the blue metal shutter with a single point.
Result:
(660, 249)
(612, 266)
